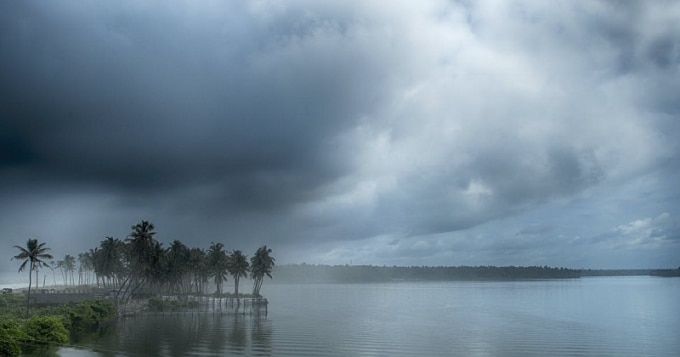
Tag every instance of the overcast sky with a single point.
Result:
(366, 132)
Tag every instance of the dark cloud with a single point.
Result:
(147, 102)
(410, 131)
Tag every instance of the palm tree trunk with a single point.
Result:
(28, 297)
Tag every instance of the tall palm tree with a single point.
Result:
(217, 262)
(33, 255)
(237, 266)
(62, 268)
(143, 250)
(178, 266)
(109, 260)
(261, 264)
(70, 266)
(198, 264)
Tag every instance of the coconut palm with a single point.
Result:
(177, 266)
(70, 266)
(143, 250)
(109, 260)
(261, 264)
(33, 255)
(198, 265)
(237, 266)
(217, 262)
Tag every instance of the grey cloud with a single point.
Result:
(136, 103)
(537, 229)
(325, 123)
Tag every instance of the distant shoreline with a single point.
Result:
(312, 273)
(308, 273)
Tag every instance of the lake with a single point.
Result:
(602, 316)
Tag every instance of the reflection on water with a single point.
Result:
(632, 316)
(184, 334)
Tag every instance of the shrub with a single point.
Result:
(11, 337)
(46, 331)
(158, 304)
(89, 315)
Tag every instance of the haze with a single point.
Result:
(346, 132)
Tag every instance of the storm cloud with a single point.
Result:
(431, 132)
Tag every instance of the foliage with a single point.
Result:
(139, 266)
(46, 331)
(158, 304)
(306, 273)
(238, 267)
(88, 315)
(75, 319)
(217, 263)
(33, 255)
(12, 336)
(11, 305)
(261, 264)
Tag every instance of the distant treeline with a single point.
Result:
(307, 273)
(631, 272)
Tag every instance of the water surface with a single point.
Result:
(604, 316)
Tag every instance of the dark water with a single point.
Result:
(620, 316)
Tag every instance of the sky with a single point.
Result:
(404, 133)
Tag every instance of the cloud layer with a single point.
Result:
(429, 132)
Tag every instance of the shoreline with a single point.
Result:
(21, 287)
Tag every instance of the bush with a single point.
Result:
(158, 304)
(12, 336)
(89, 315)
(46, 331)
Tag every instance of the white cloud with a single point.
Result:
(651, 232)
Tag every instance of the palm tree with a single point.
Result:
(62, 268)
(198, 265)
(143, 250)
(217, 262)
(70, 266)
(178, 266)
(52, 265)
(108, 260)
(260, 265)
(33, 255)
(237, 266)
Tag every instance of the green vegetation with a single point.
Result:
(38, 334)
(238, 267)
(46, 331)
(261, 264)
(306, 273)
(140, 267)
(135, 267)
(157, 304)
(631, 272)
(12, 336)
(49, 326)
(33, 255)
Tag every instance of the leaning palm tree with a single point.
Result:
(143, 250)
(237, 266)
(33, 255)
(260, 265)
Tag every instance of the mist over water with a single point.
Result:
(604, 316)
